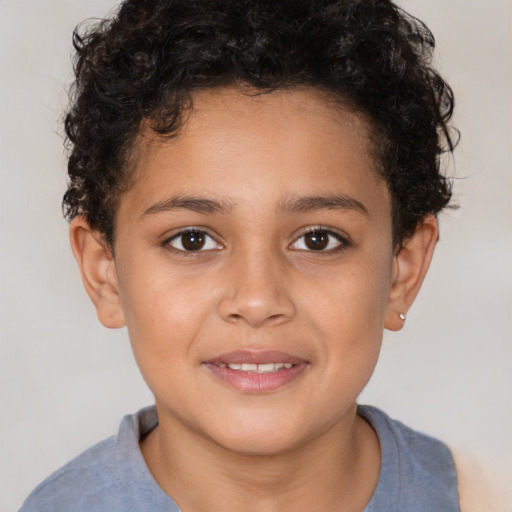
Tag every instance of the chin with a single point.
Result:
(259, 446)
(260, 437)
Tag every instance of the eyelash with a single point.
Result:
(190, 231)
(341, 242)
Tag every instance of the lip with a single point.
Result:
(255, 357)
(252, 382)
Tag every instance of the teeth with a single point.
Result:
(269, 367)
(256, 368)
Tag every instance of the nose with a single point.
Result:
(256, 292)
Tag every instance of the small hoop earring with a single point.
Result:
(402, 317)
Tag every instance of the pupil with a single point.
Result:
(193, 241)
(317, 240)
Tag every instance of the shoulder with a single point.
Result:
(103, 478)
(417, 471)
(418, 451)
(72, 484)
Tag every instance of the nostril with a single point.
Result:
(254, 319)
(234, 318)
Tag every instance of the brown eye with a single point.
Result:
(319, 240)
(316, 240)
(193, 240)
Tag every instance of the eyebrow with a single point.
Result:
(299, 204)
(303, 204)
(196, 204)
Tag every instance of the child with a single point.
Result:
(253, 191)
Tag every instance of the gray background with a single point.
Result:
(65, 381)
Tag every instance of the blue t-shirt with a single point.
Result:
(417, 473)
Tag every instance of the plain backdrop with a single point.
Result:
(65, 381)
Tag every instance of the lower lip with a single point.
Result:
(252, 382)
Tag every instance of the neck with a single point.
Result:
(337, 470)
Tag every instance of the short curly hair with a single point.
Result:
(142, 66)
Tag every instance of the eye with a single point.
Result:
(193, 240)
(319, 240)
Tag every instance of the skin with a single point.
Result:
(249, 162)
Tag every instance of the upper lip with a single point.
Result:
(255, 357)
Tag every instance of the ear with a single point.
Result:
(410, 266)
(97, 266)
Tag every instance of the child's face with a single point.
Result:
(289, 260)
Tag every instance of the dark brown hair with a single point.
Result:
(143, 65)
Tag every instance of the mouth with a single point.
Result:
(256, 368)
(256, 371)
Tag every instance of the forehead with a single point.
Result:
(297, 142)
(212, 113)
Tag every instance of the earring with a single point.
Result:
(402, 317)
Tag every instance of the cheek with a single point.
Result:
(347, 309)
(351, 297)
(164, 313)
